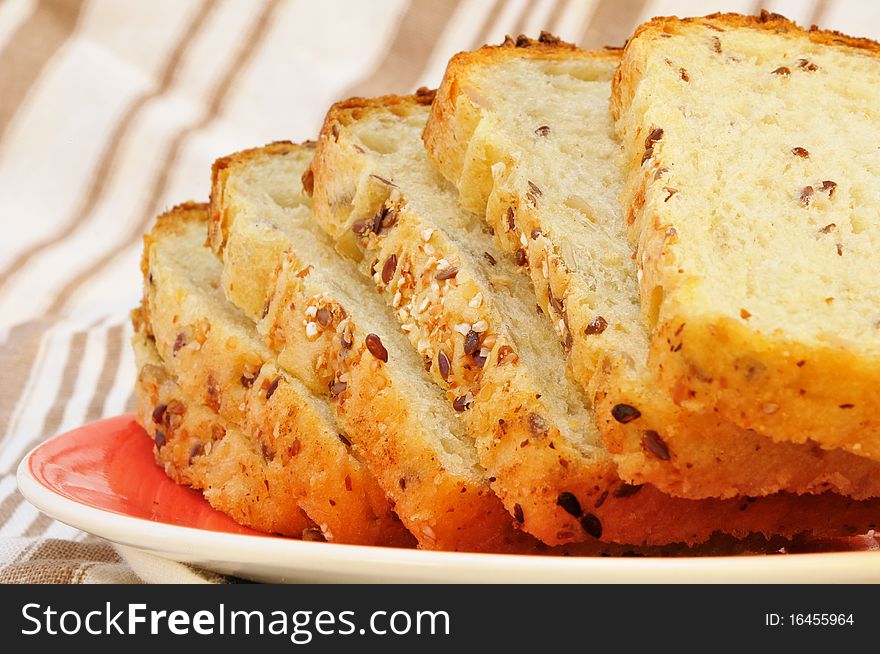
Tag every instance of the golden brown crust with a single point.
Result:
(197, 448)
(221, 169)
(727, 464)
(765, 21)
(219, 367)
(770, 383)
(446, 510)
(604, 505)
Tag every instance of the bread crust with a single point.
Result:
(445, 509)
(197, 448)
(733, 461)
(235, 478)
(531, 471)
(218, 368)
(766, 382)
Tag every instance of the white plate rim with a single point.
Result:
(278, 559)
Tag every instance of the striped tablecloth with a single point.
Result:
(112, 111)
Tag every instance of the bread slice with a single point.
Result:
(548, 182)
(751, 195)
(376, 193)
(330, 328)
(198, 448)
(219, 361)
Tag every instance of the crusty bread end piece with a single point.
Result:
(197, 448)
(752, 198)
(220, 362)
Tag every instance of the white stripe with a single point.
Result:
(240, 126)
(13, 14)
(20, 520)
(46, 164)
(322, 56)
(62, 531)
(117, 397)
(506, 21)
(41, 389)
(88, 375)
(538, 17)
(856, 17)
(132, 179)
(463, 29)
(571, 21)
(7, 486)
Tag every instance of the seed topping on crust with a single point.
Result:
(569, 504)
(374, 345)
(591, 524)
(596, 326)
(655, 445)
(624, 413)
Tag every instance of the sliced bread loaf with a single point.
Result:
(330, 329)
(471, 315)
(548, 181)
(197, 448)
(752, 197)
(220, 362)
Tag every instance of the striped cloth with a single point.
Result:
(112, 111)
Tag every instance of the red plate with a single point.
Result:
(102, 478)
(109, 465)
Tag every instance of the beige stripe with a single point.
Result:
(25, 552)
(556, 14)
(30, 49)
(218, 98)
(410, 50)
(485, 30)
(115, 337)
(820, 10)
(9, 505)
(38, 526)
(520, 26)
(17, 354)
(612, 23)
(129, 403)
(109, 158)
(52, 420)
